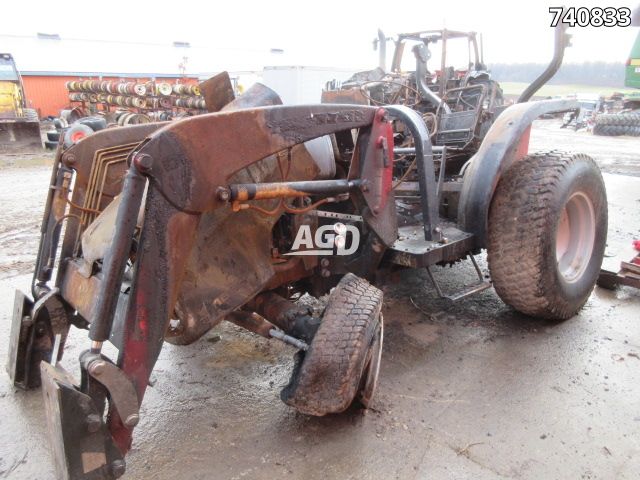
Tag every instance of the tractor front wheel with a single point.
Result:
(547, 234)
(343, 360)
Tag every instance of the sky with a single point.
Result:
(324, 33)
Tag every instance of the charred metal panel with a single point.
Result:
(231, 259)
(202, 152)
(352, 96)
(258, 95)
(106, 144)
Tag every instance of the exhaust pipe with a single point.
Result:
(381, 44)
(420, 51)
(562, 41)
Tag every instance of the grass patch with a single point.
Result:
(516, 88)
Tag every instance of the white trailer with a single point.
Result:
(298, 85)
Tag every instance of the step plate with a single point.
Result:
(412, 250)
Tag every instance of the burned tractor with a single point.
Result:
(158, 232)
(457, 104)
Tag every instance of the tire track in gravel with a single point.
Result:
(22, 195)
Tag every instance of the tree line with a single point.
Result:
(603, 74)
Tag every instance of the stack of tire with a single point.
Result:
(147, 95)
(124, 118)
(616, 124)
(75, 132)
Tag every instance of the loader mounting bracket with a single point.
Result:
(33, 331)
(82, 445)
(122, 394)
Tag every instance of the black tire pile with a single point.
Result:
(616, 124)
(87, 125)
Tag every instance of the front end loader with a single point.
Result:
(19, 125)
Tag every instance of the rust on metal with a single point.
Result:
(278, 310)
(217, 91)
(353, 97)
(267, 191)
(123, 396)
(251, 321)
(291, 270)
(228, 142)
(78, 290)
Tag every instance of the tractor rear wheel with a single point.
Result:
(547, 234)
(343, 360)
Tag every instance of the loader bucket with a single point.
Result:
(18, 135)
(82, 446)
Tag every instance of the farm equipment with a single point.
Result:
(171, 228)
(19, 125)
(589, 106)
(627, 121)
(632, 70)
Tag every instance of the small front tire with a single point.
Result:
(343, 360)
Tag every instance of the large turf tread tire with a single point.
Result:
(523, 221)
(627, 119)
(616, 130)
(327, 376)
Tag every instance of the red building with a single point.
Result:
(46, 91)
(47, 61)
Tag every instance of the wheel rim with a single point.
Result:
(77, 136)
(575, 236)
(372, 370)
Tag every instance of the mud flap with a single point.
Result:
(82, 445)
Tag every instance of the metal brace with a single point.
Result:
(467, 291)
(122, 393)
(336, 216)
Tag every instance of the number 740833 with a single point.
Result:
(591, 17)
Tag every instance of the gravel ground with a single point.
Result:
(613, 154)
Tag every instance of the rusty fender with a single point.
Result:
(506, 142)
